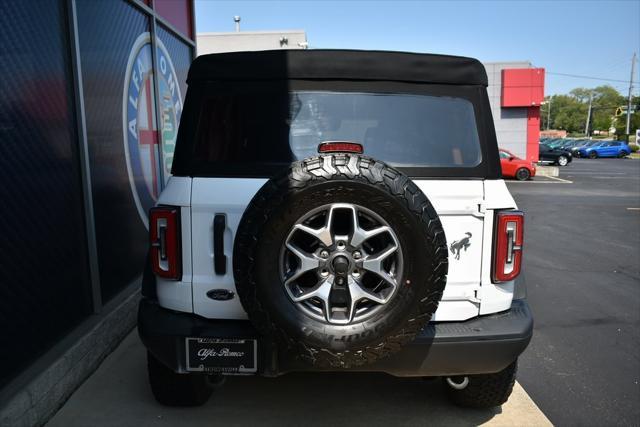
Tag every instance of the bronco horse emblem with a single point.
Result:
(458, 245)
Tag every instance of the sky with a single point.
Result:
(584, 38)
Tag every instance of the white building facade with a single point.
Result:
(250, 40)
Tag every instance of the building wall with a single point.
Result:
(44, 273)
(250, 40)
(511, 123)
(92, 94)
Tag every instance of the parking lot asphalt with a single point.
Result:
(582, 265)
(118, 394)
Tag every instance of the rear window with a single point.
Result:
(404, 130)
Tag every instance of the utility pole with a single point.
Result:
(586, 127)
(633, 64)
(549, 113)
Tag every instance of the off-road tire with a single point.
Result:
(350, 177)
(485, 391)
(171, 389)
(523, 174)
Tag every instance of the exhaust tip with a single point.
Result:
(457, 384)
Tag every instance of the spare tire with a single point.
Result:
(340, 259)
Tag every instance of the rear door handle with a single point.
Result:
(219, 258)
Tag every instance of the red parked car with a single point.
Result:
(515, 167)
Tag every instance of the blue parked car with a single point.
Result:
(584, 144)
(606, 149)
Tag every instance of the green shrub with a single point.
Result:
(634, 147)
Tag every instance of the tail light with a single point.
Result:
(340, 146)
(164, 232)
(508, 240)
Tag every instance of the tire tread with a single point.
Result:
(486, 391)
(172, 389)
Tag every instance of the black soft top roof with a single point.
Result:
(327, 64)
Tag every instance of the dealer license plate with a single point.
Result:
(226, 356)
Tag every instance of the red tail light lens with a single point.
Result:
(508, 240)
(164, 233)
(340, 147)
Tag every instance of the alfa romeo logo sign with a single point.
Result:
(149, 141)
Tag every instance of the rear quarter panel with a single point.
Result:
(176, 295)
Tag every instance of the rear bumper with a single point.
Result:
(484, 344)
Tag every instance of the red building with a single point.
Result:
(516, 91)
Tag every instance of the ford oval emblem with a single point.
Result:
(220, 294)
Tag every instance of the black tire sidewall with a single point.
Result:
(299, 325)
(526, 177)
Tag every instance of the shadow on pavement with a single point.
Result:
(118, 395)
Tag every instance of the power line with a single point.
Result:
(616, 66)
(587, 77)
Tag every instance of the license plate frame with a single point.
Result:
(229, 356)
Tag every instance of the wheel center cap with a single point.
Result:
(341, 265)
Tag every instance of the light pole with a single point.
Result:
(549, 112)
(633, 64)
(548, 104)
(586, 127)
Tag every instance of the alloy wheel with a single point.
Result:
(341, 263)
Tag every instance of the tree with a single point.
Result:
(620, 123)
(569, 112)
(606, 100)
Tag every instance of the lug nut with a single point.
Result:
(357, 255)
(324, 254)
(324, 273)
(341, 245)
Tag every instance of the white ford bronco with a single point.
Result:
(335, 210)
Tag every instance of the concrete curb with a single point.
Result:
(548, 170)
(39, 400)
